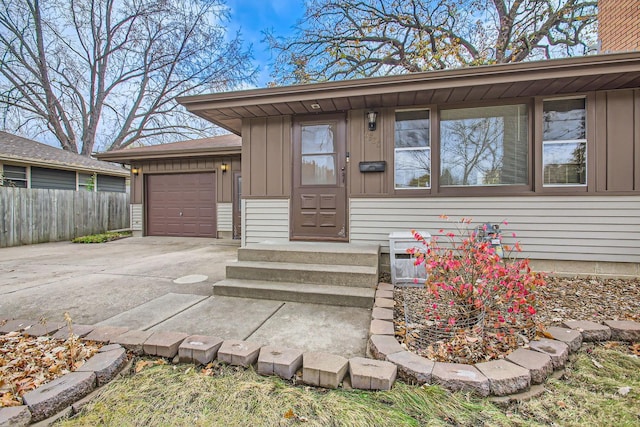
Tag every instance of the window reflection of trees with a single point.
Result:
(412, 162)
(318, 155)
(564, 141)
(567, 167)
(484, 146)
(413, 168)
(317, 139)
(471, 147)
(318, 170)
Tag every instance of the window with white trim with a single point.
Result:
(14, 176)
(564, 142)
(412, 150)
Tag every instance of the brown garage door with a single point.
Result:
(181, 205)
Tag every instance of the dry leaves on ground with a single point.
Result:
(27, 362)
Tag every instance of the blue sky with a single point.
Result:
(252, 17)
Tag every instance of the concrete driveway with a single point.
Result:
(130, 282)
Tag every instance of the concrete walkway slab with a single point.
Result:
(224, 317)
(153, 312)
(317, 328)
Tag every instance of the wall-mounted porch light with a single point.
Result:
(371, 118)
(135, 171)
(224, 167)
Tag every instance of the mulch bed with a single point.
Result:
(577, 298)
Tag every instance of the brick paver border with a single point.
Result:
(511, 376)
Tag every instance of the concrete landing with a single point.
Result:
(320, 274)
(311, 253)
(317, 328)
(296, 292)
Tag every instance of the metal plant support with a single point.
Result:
(427, 325)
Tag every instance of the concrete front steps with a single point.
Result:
(321, 273)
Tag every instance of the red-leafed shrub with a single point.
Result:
(478, 302)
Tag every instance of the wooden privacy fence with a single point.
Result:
(35, 216)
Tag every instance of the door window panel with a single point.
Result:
(318, 139)
(319, 157)
(319, 170)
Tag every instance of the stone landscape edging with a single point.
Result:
(500, 377)
(390, 360)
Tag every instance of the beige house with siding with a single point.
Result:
(552, 147)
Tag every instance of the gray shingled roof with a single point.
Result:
(212, 142)
(215, 145)
(16, 148)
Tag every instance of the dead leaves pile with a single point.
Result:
(27, 362)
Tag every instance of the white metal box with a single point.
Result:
(404, 272)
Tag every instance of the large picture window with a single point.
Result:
(412, 152)
(564, 145)
(484, 146)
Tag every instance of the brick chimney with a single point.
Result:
(618, 25)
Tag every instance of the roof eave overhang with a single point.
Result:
(457, 78)
(128, 158)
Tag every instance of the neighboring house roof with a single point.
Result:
(215, 145)
(14, 148)
(469, 84)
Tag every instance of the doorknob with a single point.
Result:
(180, 213)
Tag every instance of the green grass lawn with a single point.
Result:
(166, 395)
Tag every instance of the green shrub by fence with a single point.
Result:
(30, 216)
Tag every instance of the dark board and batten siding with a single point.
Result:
(53, 178)
(266, 157)
(618, 135)
(29, 216)
(224, 181)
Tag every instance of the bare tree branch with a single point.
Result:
(340, 39)
(103, 74)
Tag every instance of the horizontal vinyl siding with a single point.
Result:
(53, 179)
(552, 228)
(225, 217)
(266, 220)
(114, 184)
(136, 217)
